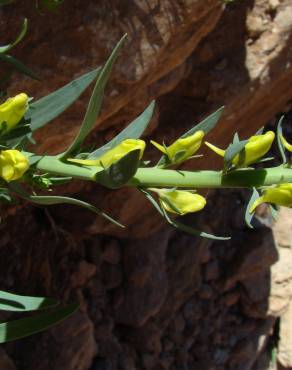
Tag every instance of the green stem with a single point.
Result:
(153, 176)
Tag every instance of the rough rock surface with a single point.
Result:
(167, 300)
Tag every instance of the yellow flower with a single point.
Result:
(12, 111)
(280, 195)
(180, 201)
(285, 143)
(115, 154)
(183, 148)
(13, 164)
(256, 147)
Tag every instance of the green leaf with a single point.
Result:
(52, 5)
(21, 328)
(19, 66)
(207, 124)
(16, 302)
(49, 107)
(249, 216)
(95, 102)
(119, 173)
(6, 48)
(233, 149)
(133, 131)
(5, 2)
(56, 199)
(279, 141)
(179, 225)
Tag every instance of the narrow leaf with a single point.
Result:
(207, 124)
(6, 48)
(19, 66)
(279, 141)
(249, 216)
(119, 173)
(56, 199)
(51, 106)
(95, 102)
(179, 225)
(16, 302)
(133, 131)
(233, 149)
(21, 328)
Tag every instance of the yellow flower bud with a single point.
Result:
(180, 201)
(183, 148)
(280, 195)
(12, 111)
(285, 143)
(115, 154)
(13, 164)
(256, 147)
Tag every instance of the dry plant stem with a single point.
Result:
(153, 176)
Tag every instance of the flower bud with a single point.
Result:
(13, 164)
(180, 201)
(12, 111)
(280, 195)
(115, 154)
(256, 147)
(183, 148)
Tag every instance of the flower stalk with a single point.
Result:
(157, 177)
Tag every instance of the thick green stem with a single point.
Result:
(153, 176)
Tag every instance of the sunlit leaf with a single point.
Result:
(249, 216)
(16, 302)
(133, 131)
(279, 141)
(207, 124)
(95, 102)
(51, 106)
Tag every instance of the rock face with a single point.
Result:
(150, 298)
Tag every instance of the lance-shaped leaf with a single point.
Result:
(279, 141)
(120, 172)
(249, 216)
(133, 131)
(51, 106)
(95, 102)
(179, 225)
(16, 302)
(207, 124)
(6, 48)
(234, 149)
(21, 328)
(56, 199)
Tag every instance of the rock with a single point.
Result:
(284, 354)
(84, 273)
(146, 287)
(257, 256)
(112, 252)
